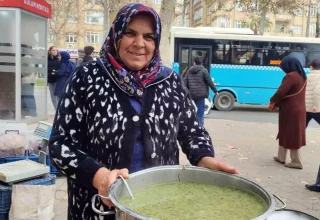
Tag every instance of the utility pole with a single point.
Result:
(308, 21)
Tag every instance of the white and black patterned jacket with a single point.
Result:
(96, 126)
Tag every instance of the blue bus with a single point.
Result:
(243, 66)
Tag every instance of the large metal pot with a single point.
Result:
(164, 174)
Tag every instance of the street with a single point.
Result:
(251, 113)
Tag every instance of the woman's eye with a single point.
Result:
(129, 34)
(149, 38)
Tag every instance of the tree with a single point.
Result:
(110, 9)
(260, 8)
(254, 23)
(167, 14)
(63, 12)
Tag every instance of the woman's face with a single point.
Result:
(54, 51)
(137, 44)
(311, 67)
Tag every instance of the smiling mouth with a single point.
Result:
(136, 54)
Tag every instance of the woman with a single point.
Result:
(63, 73)
(53, 64)
(290, 98)
(313, 106)
(124, 114)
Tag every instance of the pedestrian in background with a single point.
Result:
(198, 81)
(80, 57)
(313, 106)
(88, 50)
(63, 73)
(290, 99)
(313, 93)
(53, 65)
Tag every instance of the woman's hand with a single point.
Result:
(314, 109)
(272, 106)
(215, 164)
(104, 178)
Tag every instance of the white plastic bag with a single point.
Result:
(32, 202)
(13, 139)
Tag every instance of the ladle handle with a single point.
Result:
(284, 204)
(98, 211)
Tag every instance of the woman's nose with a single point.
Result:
(139, 41)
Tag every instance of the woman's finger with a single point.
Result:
(124, 173)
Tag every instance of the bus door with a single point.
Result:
(187, 54)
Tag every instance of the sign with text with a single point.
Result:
(39, 7)
(73, 53)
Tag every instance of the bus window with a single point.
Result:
(241, 52)
(313, 52)
(298, 51)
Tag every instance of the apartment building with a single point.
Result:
(86, 26)
(234, 16)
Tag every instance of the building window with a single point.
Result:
(280, 28)
(299, 12)
(213, 8)
(297, 29)
(238, 24)
(158, 2)
(51, 38)
(222, 22)
(198, 14)
(196, 2)
(239, 7)
(71, 38)
(72, 18)
(312, 29)
(93, 37)
(94, 17)
(313, 10)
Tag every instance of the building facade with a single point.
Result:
(233, 15)
(85, 26)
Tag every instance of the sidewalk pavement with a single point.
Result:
(250, 146)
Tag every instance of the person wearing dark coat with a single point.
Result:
(53, 65)
(290, 99)
(198, 81)
(88, 50)
(63, 73)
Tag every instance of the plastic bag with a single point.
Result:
(13, 139)
(32, 202)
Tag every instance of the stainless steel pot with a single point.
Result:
(165, 174)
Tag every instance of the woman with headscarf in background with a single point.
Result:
(63, 73)
(290, 98)
(53, 65)
(125, 113)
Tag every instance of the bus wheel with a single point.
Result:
(224, 101)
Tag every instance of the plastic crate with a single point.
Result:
(6, 190)
(5, 198)
(4, 215)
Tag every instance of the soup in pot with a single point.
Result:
(192, 201)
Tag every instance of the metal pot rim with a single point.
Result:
(118, 182)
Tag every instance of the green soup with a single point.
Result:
(191, 201)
